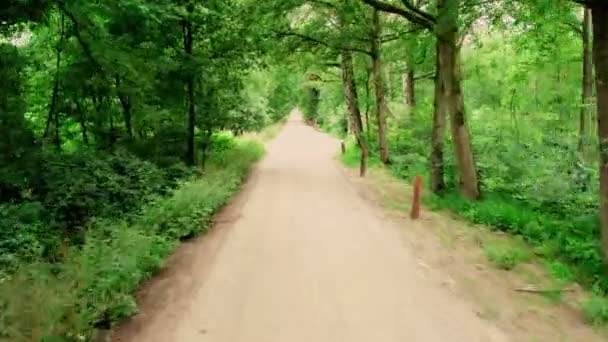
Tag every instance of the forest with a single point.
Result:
(122, 127)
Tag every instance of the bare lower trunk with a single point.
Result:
(379, 88)
(83, 121)
(205, 147)
(600, 52)
(188, 42)
(125, 101)
(587, 81)
(409, 90)
(387, 80)
(368, 77)
(53, 116)
(352, 102)
(454, 103)
(436, 180)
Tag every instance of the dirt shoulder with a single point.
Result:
(458, 252)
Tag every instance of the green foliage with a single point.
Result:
(95, 283)
(505, 256)
(596, 310)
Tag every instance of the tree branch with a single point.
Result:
(323, 43)
(423, 21)
(85, 46)
(418, 12)
(388, 38)
(430, 74)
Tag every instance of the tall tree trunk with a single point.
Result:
(188, 42)
(379, 87)
(352, 102)
(599, 14)
(368, 76)
(587, 81)
(409, 91)
(448, 62)
(53, 116)
(205, 147)
(387, 81)
(436, 180)
(125, 101)
(82, 120)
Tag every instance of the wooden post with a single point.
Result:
(342, 147)
(415, 213)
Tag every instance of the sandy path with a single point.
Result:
(301, 257)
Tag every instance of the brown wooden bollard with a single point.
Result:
(342, 147)
(415, 213)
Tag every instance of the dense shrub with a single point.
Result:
(94, 284)
(59, 200)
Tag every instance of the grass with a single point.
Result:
(506, 256)
(95, 284)
(268, 133)
(352, 156)
(595, 310)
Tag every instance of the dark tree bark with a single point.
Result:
(82, 120)
(188, 43)
(587, 85)
(205, 147)
(381, 107)
(53, 116)
(352, 102)
(368, 77)
(447, 31)
(125, 101)
(409, 90)
(437, 182)
(599, 12)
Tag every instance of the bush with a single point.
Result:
(505, 256)
(74, 188)
(94, 284)
(595, 310)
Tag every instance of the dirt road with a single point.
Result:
(300, 256)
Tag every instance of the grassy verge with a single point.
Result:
(269, 132)
(94, 285)
(564, 245)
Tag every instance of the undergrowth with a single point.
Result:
(567, 239)
(94, 284)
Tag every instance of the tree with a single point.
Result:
(599, 13)
(587, 87)
(381, 107)
(448, 98)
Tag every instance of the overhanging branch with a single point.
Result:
(427, 21)
(319, 41)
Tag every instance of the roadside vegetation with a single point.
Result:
(122, 129)
(496, 105)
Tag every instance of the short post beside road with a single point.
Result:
(415, 213)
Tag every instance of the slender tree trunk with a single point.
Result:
(188, 42)
(352, 102)
(205, 147)
(448, 62)
(387, 81)
(53, 116)
(368, 76)
(437, 182)
(409, 90)
(600, 52)
(126, 107)
(587, 80)
(83, 122)
(379, 87)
